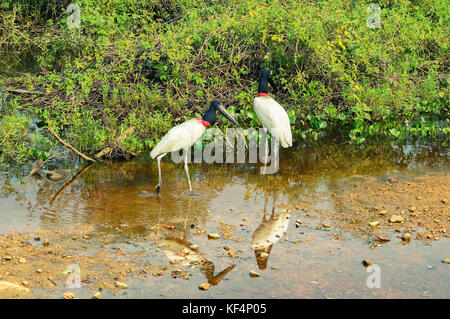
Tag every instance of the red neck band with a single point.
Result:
(205, 123)
(263, 94)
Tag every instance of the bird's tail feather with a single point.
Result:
(286, 139)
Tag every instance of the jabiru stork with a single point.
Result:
(185, 135)
(272, 115)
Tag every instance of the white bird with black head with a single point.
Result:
(271, 114)
(185, 135)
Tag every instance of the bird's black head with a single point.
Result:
(215, 104)
(211, 116)
(264, 80)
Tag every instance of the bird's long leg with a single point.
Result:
(266, 197)
(158, 187)
(275, 194)
(275, 153)
(266, 152)
(187, 169)
(186, 217)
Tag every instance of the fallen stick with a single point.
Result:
(381, 239)
(103, 152)
(243, 138)
(228, 142)
(14, 90)
(73, 149)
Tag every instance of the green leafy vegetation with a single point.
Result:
(152, 64)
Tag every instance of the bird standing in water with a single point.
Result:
(185, 135)
(272, 115)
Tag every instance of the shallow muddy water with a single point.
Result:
(255, 217)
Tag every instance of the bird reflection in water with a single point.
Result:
(270, 231)
(181, 252)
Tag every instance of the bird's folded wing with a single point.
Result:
(179, 137)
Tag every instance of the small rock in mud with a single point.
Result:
(444, 201)
(204, 287)
(366, 263)
(22, 260)
(412, 209)
(298, 223)
(97, 295)
(374, 224)
(11, 290)
(193, 247)
(7, 258)
(69, 295)
(326, 225)
(213, 236)
(275, 267)
(383, 212)
(406, 237)
(254, 274)
(446, 260)
(396, 219)
(46, 243)
(39, 271)
(226, 247)
(121, 285)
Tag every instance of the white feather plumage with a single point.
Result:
(274, 118)
(179, 137)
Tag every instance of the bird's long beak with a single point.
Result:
(225, 113)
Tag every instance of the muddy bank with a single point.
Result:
(53, 262)
(41, 261)
(387, 207)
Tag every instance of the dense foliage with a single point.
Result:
(152, 64)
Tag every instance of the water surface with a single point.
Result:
(235, 201)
